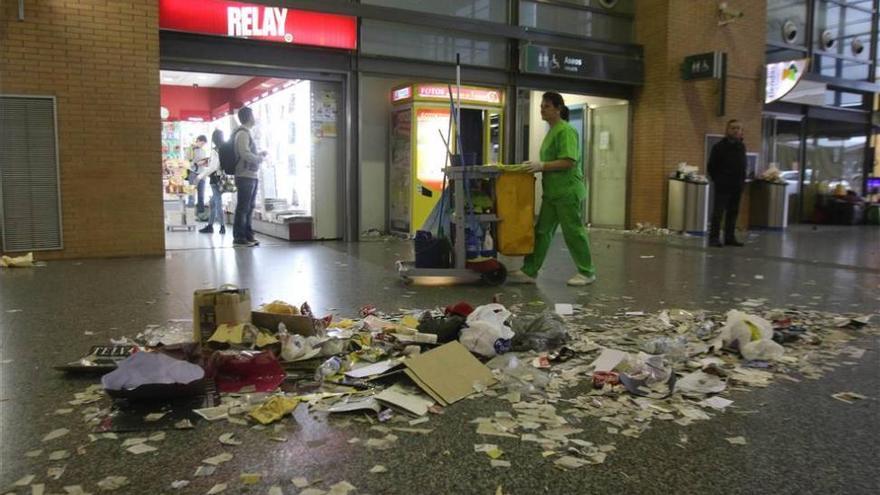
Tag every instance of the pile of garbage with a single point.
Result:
(549, 371)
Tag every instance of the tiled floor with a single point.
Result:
(799, 439)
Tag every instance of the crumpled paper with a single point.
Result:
(274, 409)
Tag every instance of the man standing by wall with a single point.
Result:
(727, 169)
(247, 173)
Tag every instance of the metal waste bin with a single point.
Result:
(688, 206)
(768, 205)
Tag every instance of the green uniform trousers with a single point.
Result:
(565, 212)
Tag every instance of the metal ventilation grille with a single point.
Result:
(30, 203)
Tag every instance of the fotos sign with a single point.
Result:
(258, 22)
(782, 77)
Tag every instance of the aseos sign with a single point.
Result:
(244, 20)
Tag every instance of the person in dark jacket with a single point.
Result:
(727, 169)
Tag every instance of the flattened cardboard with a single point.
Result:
(302, 325)
(448, 373)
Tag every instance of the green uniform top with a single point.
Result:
(562, 142)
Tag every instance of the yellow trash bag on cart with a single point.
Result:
(515, 200)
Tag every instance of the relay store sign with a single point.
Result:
(244, 20)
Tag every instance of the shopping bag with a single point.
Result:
(515, 198)
(212, 307)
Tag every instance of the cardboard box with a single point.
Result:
(212, 307)
(302, 325)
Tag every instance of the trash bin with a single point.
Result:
(768, 205)
(688, 206)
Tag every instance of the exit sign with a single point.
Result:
(702, 66)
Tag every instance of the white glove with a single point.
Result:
(534, 167)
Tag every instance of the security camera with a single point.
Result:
(608, 4)
(826, 40)
(857, 46)
(726, 15)
(789, 32)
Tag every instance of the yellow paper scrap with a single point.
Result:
(274, 409)
(250, 478)
(229, 334)
(495, 453)
(264, 339)
(410, 321)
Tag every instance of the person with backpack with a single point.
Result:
(247, 173)
(215, 177)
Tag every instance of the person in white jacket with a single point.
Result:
(214, 173)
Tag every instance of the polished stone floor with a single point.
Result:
(800, 440)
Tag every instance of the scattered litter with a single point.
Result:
(153, 417)
(59, 455)
(56, 472)
(141, 448)
(300, 483)
(275, 490)
(111, 483)
(736, 440)
(848, 397)
(229, 439)
(203, 471)
(250, 478)
(378, 468)
(177, 485)
(499, 463)
(25, 481)
(218, 459)
(564, 309)
(33, 453)
(60, 432)
(341, 488)
(218, 488)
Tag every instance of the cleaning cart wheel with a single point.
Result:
(495, 277)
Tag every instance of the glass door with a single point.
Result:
(607, 164)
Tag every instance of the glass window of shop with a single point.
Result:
(619, 6)
(835, 158)
(421, 43)
(484, 10)
(843, 39)
(782, 149)
(587, 22)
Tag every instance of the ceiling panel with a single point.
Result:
(204, 80)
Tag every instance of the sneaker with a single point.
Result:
(207, 230)
(253, 242)
(715, 243)
(241, 244)
(222, 229)
(518, 277)
(734, 243)
(580, 280)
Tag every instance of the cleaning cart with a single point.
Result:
(469, 250)
(461, 247)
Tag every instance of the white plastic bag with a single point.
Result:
(762, 350)
(743, 328)
(486, 333)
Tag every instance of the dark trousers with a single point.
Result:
(727, 205)
(244, 209)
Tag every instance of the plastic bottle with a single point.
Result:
(328, 368)
(472, 242)
(488, 245)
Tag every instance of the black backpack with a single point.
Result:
(227, 155)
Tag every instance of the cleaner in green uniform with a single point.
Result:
(564, 191)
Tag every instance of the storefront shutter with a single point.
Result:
(30, 203)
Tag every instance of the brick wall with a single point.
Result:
(672, 116)
(100, 58)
